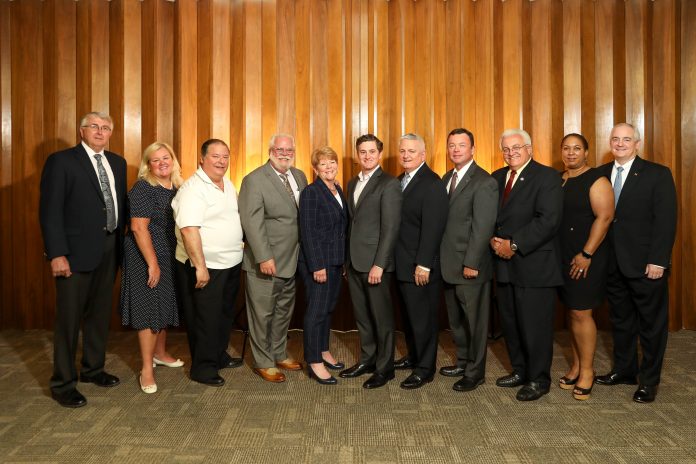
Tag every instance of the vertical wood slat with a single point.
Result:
(329, 70)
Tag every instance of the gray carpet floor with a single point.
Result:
(252, 421)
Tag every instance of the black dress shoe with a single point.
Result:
(330, 381)
(231, 363)
(466, 384)
(532, 391)
(645, 394)
(70, 399)
(215, 381)
(404, 363)
(378, 380)
(357, 371)
(334, 367)
(614, 378)
(510, 381)
(101, 379)
(452, 371)
(414, 381)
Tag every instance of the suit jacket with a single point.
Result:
(470, 226)
(373, 222)
(323, 225)
(531, 217)
(72, 211)
(423, 218)
(269, 219)
(645, 221)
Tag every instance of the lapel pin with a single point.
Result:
(521, 179)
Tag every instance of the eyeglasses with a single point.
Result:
(282, 151)
(619, 139)
(513, 150)
(97, 127)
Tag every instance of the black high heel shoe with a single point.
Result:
(567, 383)
(312, 375)
(582, 394)
(334, 367)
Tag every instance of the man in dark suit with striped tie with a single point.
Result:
(82, 215)
(527, 264)
(641, 239)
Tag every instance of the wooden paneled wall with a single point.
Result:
(330, 70)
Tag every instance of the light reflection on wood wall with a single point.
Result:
(328, 71)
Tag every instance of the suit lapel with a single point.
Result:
(82, 159)
(461, 185)
(523, 179)
(374, 178)
(277, 183)
(415, 178)
(631, 179)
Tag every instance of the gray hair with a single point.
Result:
(510, 132)
(636, 132)
(412, 136)
(280, 135)
(96, 114)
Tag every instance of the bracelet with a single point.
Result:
(586, 255)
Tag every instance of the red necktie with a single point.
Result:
(508, 186)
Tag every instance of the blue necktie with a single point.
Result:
(618, 184)
(404, 181)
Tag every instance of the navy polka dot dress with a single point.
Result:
(143, 307)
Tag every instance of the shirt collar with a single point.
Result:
(366, 177)
(89, 150)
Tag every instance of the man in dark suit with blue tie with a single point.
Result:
(641, 239)
(417, 259)
(527, 266)
(82, 215)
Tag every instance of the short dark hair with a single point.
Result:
(461, 130)
(585, 145)
(369, 138)
(209, 142)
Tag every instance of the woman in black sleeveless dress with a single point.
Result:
(588, 209)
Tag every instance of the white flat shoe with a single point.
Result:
(149, 389)
(157, 362)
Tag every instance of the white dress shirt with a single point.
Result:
(109, 173)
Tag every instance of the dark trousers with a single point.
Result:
(468, 307)
(639, 308)
(209, 315)
(374, 316)
(526, 317)
(321, 302)
(84, 299)
(420, 323)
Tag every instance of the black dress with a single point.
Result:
(143, 307)
(588, 292)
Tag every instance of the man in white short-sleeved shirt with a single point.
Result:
(209, 256)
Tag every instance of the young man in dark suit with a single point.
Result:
(527, 266)
(423, 218)
(374, 211)
(467, 266)
(82, 215)
(641, 239)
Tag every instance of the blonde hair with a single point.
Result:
(323, 153)
(144, 172)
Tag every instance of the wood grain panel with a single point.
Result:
(687, 163)
(7, 289)
(328, 71)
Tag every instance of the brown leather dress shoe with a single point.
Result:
(290, 365)
(270, 375)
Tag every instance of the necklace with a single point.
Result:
(164, 186)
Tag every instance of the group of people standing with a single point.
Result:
(590, 232)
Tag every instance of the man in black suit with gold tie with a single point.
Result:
(82, 215)
(423, 218)
(641, 239)
(527, 266)
(374, 211)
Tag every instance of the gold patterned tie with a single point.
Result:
(286, 183)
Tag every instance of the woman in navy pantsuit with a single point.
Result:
(323, 223)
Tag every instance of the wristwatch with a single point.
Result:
(513, 245)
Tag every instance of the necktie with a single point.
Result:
(404, 181)
(106, 191)
(453, 184)
(286, 183)
(618, 184)
(508, 186)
